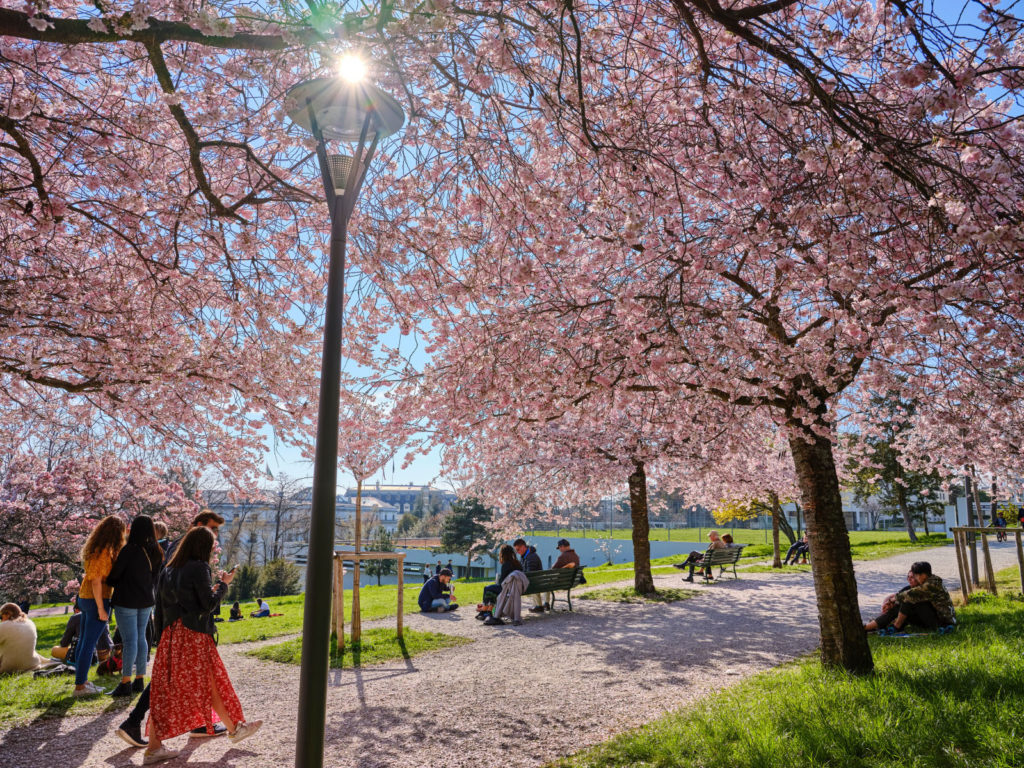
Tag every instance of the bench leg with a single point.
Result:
(568, 598)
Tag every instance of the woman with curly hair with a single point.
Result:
(190, 687)
(98, 555)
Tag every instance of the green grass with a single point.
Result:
(23, 697)
(934, 702)
(762, 568)
(630, 595)
(1008, 581)
(376, 646)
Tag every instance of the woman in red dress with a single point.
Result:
(190, 687)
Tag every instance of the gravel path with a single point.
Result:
(583, 675)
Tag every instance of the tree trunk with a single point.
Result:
(643, 580)
(843, 640)
(799, 532)
(901, 500)
(773, 498)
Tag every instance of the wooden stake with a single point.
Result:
(357, 628)
(1020, 560)
(961, 564)
(401, 592)
(989, 572)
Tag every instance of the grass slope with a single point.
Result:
(376, 646)
(934, 702)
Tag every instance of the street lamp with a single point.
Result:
(349, 110)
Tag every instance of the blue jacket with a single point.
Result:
(531, 560)
(432, 589)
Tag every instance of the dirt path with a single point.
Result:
(583, 676)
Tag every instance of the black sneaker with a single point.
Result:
(132, 733)
(219, 729)
(481, 615)
(493, 621)
(453, 607)
(537, 609)
(689, 579)
(123, 689)
(547, 606)
(138, 685)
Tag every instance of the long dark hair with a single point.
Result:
(143, 535)
(506, 554)
(197, 544)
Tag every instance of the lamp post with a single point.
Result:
(349, 111)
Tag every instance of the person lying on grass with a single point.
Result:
(925, 603)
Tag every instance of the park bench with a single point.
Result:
(723, 558)
(555, 580)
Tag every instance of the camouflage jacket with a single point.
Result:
(932, 592)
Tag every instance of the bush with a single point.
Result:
(243, 586)
(279, 577)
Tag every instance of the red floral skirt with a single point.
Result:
(185, 670)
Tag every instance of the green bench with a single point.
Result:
(555, 580)
(723, 558)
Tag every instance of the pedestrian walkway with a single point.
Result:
(519, 696)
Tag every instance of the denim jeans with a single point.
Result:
(134, 649)
(440, 602)
(89, 632)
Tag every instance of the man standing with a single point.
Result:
(566, 559)
(530, 561)
(131, 729)
(925, 604)
(435, 596)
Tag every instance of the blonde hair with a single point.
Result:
(11, 611)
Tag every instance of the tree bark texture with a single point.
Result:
(643, 580)
(844, 643)
(776, 514)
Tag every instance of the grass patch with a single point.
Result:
(630, 595)
(23, 698)
(740, 535)
(934, 702)
(762, 568)
(376, 646)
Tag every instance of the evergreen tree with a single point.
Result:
(464, 530)
(380, 542)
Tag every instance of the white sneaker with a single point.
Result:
(163, 753)
(245, 730)
(88, 690)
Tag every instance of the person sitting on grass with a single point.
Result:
(262, 609)
(509, 563)
(236, 612)
(436, 595)
(69, 638)
(695, 556)
(17, 641)
(801, 547)
(925, 603)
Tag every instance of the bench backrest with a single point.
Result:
(726, 556)
(553, 580)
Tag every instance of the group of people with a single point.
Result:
(694, 559)
(437, 594)
(924, 602)
(137, 574)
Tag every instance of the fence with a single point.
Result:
(963, 537)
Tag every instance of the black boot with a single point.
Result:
(138, 685)
(123, 689)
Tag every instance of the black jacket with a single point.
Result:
(133, 577)
(506, 569)
(188, 593)
(531, 560)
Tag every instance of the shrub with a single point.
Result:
(279, 577)
(243, 586)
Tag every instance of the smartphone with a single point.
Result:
(234, 567)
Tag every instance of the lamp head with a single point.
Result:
(340, 108)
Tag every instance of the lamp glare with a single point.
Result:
(352, 68)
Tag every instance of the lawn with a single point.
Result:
(630, 595)
(935, 701)
(376, 646)
(23, 697)
(740, 535)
